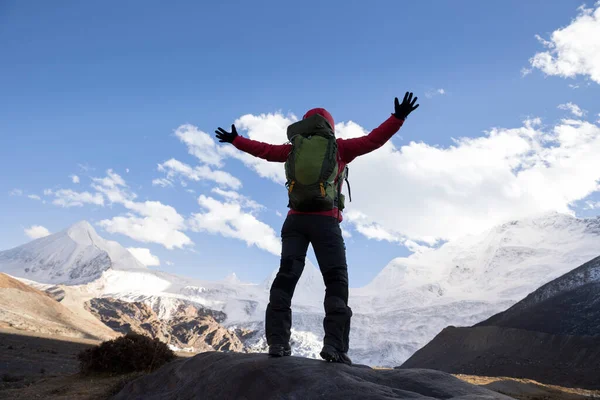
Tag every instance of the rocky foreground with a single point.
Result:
(225, 376)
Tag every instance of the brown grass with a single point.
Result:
(486, 380)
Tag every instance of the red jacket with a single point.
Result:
(348, 150)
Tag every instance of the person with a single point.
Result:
(314, 218)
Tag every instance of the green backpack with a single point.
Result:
(313, 181)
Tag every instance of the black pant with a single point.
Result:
(325, 235)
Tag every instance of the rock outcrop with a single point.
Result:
(188, 328)
(226, 376)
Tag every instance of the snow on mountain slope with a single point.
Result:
(464, 282)
(505, 262)
(73, 256)
(242, 302)
(553, 336)
(404, 307)
(566, 288)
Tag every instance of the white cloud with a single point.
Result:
(526, 71)
(113, 186)
(346, 233)
(200, 144)
(86, 167)
(269, 128)
(111, 180)
(230, 220)
(435, 92)
(74, 178)
(477, 182)
(415, 247)
(34, 197)
(36, 232)
(15, 192)
(573, 50)
(70, 198)
(371, 229)
(572, 108)
(127, 170)
(169, 263)
(428, 192)
(163, 182)
(144, 256)
(175, 168)
(150, 222)
(238, 198)
(279, 214)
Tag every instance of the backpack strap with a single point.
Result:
(348, 183)
(340, 184)
(289, 166)
(328, 167)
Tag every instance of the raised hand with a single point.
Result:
(226, 137)
(406, 107)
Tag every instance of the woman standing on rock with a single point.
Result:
(316, 167)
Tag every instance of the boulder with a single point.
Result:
(216, 375)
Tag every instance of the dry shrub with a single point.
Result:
(129, 353)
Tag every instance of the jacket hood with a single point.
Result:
(323, 113)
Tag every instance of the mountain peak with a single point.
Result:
(74, 256)
(83, 232)
(83, 224)
(232, 278)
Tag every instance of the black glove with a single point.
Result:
(406, 107)
(225, 136)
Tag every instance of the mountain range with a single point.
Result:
(461, 283)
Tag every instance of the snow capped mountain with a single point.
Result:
(464, 282)
(73, 256)
(404, 307)
(504, 262)
(552, 336)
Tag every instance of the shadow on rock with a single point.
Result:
(215, 375)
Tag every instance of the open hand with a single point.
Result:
(406, 107)
(226, 137)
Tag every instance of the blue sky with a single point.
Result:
(89, 87)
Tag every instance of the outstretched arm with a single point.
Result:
(352, 148)
(269, 152)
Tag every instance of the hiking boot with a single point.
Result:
(331, 354)
(280, 350)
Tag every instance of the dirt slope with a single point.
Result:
(26, 308)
